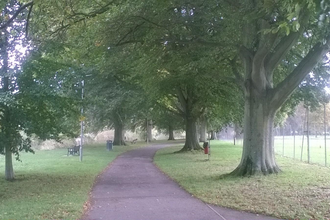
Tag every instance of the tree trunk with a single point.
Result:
(149, 130)
(258, 150)
(9, 170)
(261, 55)
(170, 133)
(119, 134)
(212, 135)
(191, 142)
(202, 135)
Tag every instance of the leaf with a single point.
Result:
(296, 25)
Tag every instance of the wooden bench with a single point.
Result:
(73, 150)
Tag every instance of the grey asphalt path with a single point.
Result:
(133, 188)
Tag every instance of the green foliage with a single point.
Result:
(164, 119)
(32, 99)
(39, 105)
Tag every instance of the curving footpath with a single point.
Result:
(133, 188)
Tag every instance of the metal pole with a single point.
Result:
(209, 154)
(308, 150)
(325, 135)
(283, 140)
(302, 144)
(234, 134)
(147, 131)
(294, 144)
(82, 122)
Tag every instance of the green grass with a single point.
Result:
(317, 153)
(301, 191)
(51, 185)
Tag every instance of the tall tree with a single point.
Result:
(29, 102)
(273, 30)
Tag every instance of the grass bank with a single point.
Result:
(301, 191)
(52, 185)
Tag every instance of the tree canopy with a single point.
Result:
(196, 60)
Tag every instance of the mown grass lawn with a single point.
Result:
(301, 191)
(52, 185)
(293, 148)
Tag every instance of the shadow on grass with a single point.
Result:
(202, 160)
(229, 176)
(188, 151)
(38, 184)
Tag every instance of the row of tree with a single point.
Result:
(172, 62)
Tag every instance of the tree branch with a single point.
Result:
(197, 41)
(282, 48)
(147, 20)
(265, 43)
(132, 30)
(273, 59)
(6, 24)
(182, 100)
(284, 89)
(245, 54)
(85, 16)
(170, 109)
(27, 21)
(238, 78)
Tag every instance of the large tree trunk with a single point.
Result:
(119, 132)
(258, 148)
(191, 142)
(213, 134)
(187, 98)
(202, 135)
(170, 133)
(9, 170)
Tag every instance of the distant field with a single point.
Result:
(293, 148)
(317, 153)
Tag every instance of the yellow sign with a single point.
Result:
(82, 118)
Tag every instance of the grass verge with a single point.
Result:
(52, 185)
(301, 191)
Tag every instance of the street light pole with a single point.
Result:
(147, 131)
(82, 122)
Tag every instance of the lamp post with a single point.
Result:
(82, 122)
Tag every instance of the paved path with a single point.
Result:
(134, 189)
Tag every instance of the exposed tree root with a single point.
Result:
(248, 168)
(190, 147)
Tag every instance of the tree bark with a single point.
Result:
(149, 130)
(9, 170)
(258, 149)
(119, 132)
(170, 133)
(191, 142)
(213, 135)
